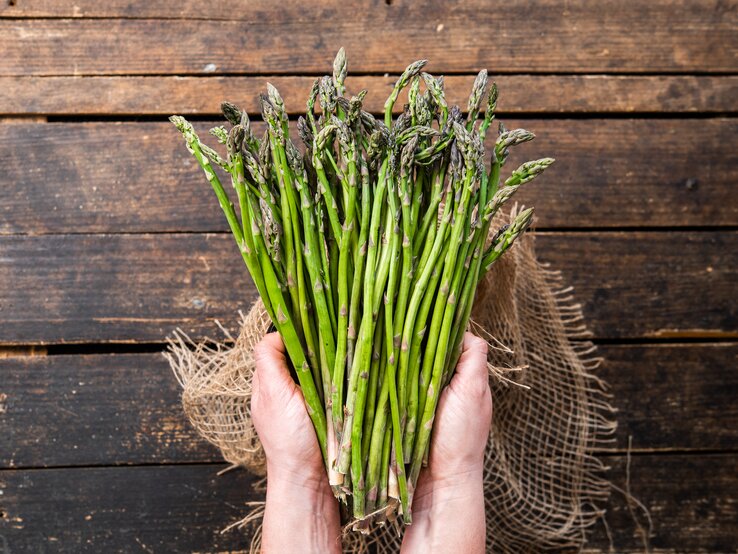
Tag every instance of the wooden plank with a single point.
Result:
(632, 172)
(99, 288)
(183, 508)
(118, 287)
(136, 417)
(93, 410)
(673, 397)
(691, 500)
(61, 178)
(15, 119)
(551, 36)
(655, 285)
(533, 94)
(163, 9)
(142, 509)
(16, 351)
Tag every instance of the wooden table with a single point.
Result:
(109, 238)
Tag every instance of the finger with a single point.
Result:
(471, 372)
(270, 345)
(270, 360)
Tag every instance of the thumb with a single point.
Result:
(272, 378)
(471, 378)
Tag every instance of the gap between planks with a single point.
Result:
(521, 94)
(22, 119)
(609, 455)
(22, 351)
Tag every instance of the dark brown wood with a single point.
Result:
(77, 410)
(138, 177)
(118, 287)
(163, 95)
(653, 285)
(94, 409)
(517, 36)
(632, 173)
(165, 9)
(108, 233)
(142, 509)
(89, 288)
(691, 500)
(99, 177)
(673, 397)
(183, 508)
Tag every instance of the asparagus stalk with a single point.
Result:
(367, 250)
(443, 311)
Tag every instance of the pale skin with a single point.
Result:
(448, 507)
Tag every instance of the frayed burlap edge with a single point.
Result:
(544, 488)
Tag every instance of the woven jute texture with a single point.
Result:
(543, 486)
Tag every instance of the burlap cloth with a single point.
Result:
(543, 486)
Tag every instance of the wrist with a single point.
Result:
(436, 490)
(448, 514)
(304, 484)
(301, 513)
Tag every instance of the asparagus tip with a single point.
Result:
(231, 112)
(340, 68)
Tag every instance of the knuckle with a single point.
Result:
(260, 351)
(477, 385)
(481, 389)
(478, 344)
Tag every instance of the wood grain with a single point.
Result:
(77, 410)
(108, 233)
(142, 509)
(654, 285)
(685, 36)
(63, 178)
(123, 288)
(691, 500)
(119, 287)
(675, 396)
(531, 94)
(183, 508)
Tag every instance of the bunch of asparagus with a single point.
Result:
(366, 248)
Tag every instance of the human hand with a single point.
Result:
(301, 513)
(280, 416)
(463, 417)
(448, 501)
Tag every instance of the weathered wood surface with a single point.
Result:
(326, 9)
(118, 287)
(77, 410)
(692, 501)
(94, 410)
(183, 508)
(138, 177)
(674, 396)
(697, 36)
(141, 509)
(72, 288)
(530, 94)
(112, 235)
(653, 285)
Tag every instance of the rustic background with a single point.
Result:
(109, 237)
